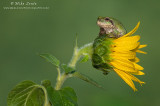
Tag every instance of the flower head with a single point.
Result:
(119, 54)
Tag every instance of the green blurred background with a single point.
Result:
(26, 33)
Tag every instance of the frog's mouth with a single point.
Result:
(104, 25)
(105, 28)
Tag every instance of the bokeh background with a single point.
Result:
(26, 33)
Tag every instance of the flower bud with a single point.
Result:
(100, 56)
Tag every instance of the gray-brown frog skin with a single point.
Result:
(110, 27)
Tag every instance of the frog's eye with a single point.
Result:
(107, 19)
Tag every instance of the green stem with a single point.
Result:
(60, 81)
(87, 49)
(59, 73)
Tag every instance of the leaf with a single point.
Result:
(86, 78)
(85, 58)
(66, 68)
(27, 93)
(63, 97)
(51, 59)
(46, 83)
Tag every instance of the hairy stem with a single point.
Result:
(74, 59)
(86, 49)
(60, 81)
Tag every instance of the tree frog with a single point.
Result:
(111, 27)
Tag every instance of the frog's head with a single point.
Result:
(110, 27)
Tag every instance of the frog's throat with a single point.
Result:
(107, 31)
(102, 32)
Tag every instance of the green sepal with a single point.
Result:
(101, 53)
(67, 68)
(53, 60)
(86, 78)
(27, 93)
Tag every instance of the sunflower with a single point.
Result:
(119, 54)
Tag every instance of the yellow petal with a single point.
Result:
(141, 46)
(139, 51)
(126, 78)
(126, 47)
(124, 40)
(136, 79)
(134, 30)
(123, 64)
(138, 67)
(139, 73)
(136, 60)
(128, 55)
(127, 43)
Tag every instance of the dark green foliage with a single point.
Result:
(26, 93)
(64, 97)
